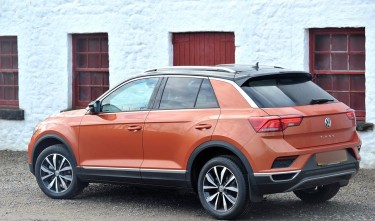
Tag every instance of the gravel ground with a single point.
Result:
(21, 199)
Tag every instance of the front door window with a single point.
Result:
(133, 96)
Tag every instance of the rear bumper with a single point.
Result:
(310, 176)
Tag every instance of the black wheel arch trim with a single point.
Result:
(41, 139)
(225, 145)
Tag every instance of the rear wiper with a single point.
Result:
(320, 101)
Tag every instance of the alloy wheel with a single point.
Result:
(56, 173)
(220, 188)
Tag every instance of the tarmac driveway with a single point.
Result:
(21, 199)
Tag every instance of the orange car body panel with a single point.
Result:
(170, 136)
(228, 96)
(111, 139)
(65, 125)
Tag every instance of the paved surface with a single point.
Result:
(21, 199)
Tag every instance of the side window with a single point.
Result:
(133, 96)
(206, 97)
(188, 93)
(180, 93)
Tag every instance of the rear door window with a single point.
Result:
(187, 93)
(285, 92)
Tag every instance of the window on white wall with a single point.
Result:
(337, 61)
(90, 67)
(8, 72)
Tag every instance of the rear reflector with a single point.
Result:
(282, 162)
(274, 123)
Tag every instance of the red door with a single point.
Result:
(203, 48)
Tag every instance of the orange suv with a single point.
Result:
(233, 133)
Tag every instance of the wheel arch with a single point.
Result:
(215, 148)
(211, 149)
(44, 142)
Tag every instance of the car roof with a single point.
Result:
(235, 72)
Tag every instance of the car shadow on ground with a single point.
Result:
(154, 198)
(274, 207)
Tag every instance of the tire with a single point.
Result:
(318, 194)
(222, 188)
(55, 172)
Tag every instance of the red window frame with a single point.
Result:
(90, 67)
(8, 72)
(338, 64)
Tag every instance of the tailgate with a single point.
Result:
(314, 129)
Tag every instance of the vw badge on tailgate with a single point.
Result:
(328, 122)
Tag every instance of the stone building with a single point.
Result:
(60, 54)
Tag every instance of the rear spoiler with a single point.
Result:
(283, 73)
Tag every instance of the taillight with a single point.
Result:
(265, 124)
(351, 114)
(274, 123)
(291, 121)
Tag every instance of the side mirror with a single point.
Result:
(94, 107)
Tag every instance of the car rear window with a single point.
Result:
(285, 92)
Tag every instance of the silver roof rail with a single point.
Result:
(257, 65)
(195, 68)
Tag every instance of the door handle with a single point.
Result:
(134, 128)
(203, 126)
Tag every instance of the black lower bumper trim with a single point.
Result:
(310, 176)
(170, 178)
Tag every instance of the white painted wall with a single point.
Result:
(272, 32)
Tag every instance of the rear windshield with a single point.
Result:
(285, 92)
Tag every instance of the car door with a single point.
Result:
(111, 141)
(184, 118)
